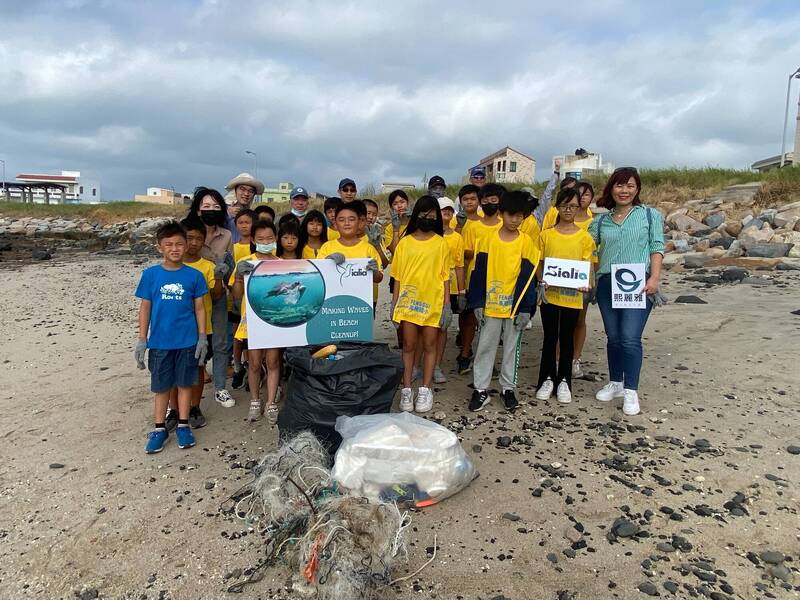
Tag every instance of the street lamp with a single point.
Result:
(5, 196)
(794, 75)
(255, 162)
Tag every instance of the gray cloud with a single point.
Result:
(171, 94)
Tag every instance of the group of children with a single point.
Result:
(481, 260)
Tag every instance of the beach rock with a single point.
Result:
(768, 215)
(695, 261)
(56, 466)
(748, 262)
(624, 528)
(768, 250)
(40, 254)
(752, 236)
(723, 241)
(771, 557)
(780, 572)
(735, 250)
(734, 274)
(689, 300)
(793, 450)
(681, 245)
(733, 228)
(649, 588)
(714, 220)
(715, 252)
(757, 281)
(688, 224)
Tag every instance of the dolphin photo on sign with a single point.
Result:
(627, 286)
(562, 272)
(300, 302)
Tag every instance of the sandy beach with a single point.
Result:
(84, 512)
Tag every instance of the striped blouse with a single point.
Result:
(633, 241)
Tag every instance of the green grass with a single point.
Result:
(110, 212)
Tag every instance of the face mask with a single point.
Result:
(266, 248)
(299, 213)
(489, 209)
(436, 193)
(212, 217)
(426, 225)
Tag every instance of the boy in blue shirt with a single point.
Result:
(173, 314)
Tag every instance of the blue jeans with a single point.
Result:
(219, 342)
(624, 327)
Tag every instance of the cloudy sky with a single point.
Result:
(171, 94)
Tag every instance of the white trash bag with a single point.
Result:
(401, 458)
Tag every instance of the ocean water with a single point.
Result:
(286, 299)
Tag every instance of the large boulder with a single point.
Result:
(695, 260)
(769, 250)
(733, 228)
(689, 225)
(752, 236)
(714, 220)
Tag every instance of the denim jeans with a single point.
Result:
(624, 327)
(219, 340)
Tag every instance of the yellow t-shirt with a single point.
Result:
(388, 234)
(241, 331)
(241, 250)
(362, 249)
(420, 269)
(332, 234)
(574, 246)
(530, 227)
(551, 216)
(456, 245)
(503, 264)
(475, 232)
(206, 267)
(309, 252)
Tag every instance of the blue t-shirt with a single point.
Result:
(172, 320)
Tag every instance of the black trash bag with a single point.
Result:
(362, 382)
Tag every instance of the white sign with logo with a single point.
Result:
(627, 286)
(561, 272)
(302, 302)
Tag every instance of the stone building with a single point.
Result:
(508, 166)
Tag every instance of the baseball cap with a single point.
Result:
(477, 172)
(347, 181)
(298, 191)
(436, 181)
(446, 203)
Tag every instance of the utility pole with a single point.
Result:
(795, 75)
(5, 192)
(255, 162)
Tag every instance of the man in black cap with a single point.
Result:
(436, 186)
(347, 190)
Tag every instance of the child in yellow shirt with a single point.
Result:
(421, 297)
(313, 233)
(502, 292)
(458, 297)
(331, 204)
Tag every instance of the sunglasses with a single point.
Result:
(349, 189)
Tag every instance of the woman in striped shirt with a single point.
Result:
(629, 234)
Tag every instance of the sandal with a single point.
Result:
(272, 413)
(254, 414)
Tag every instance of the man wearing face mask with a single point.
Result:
(245, 188)
(436, 186)
(299, 199)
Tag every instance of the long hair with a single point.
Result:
(311, 216)
(200, 193)
(423, 205)
(621, 175)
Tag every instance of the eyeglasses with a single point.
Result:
(349, 190)
(618, 170)
(568, 207)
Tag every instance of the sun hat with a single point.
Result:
(446, 203)
(245, 179)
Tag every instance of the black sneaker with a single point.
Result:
(478, 400)
(237, 381)
(196, 418)
(510, 400)
(171, 422)
(464, 364)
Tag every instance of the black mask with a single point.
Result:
(426, 225)
(212, 217)
(489, 209)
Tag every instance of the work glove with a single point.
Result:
(201, 349)
(658, 299)
(540, 293)
(372, 265)
(229, 260)
(479, 316)
(521, 321)
(408, 212)
(395, 221)
(244, 268)
(138, 353)
(461, 302)
(221, 270)
(374, 235)
(337, 257)
(461, 219)
(446, 318)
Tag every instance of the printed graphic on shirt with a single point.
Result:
(497, 298)
(172, 291)
(407, 301)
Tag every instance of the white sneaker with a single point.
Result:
(406, 399)
(416, 374)
(563, 394)
(611, 390)
(438, 375)
(577, 369)
(546, 390)
(630, 405)
(225, 399)
(424, 400)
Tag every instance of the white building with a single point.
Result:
(583, 164)
(68, 188)
(388, 187)
(508, 166)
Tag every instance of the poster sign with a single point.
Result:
(564, 273)
(627, 286)
(302, 302)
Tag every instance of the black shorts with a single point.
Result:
(234, 317)
(391, 285)
(453, 302)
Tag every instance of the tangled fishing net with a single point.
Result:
(338, 545)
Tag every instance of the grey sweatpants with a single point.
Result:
(489, 339)
(219, 341)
